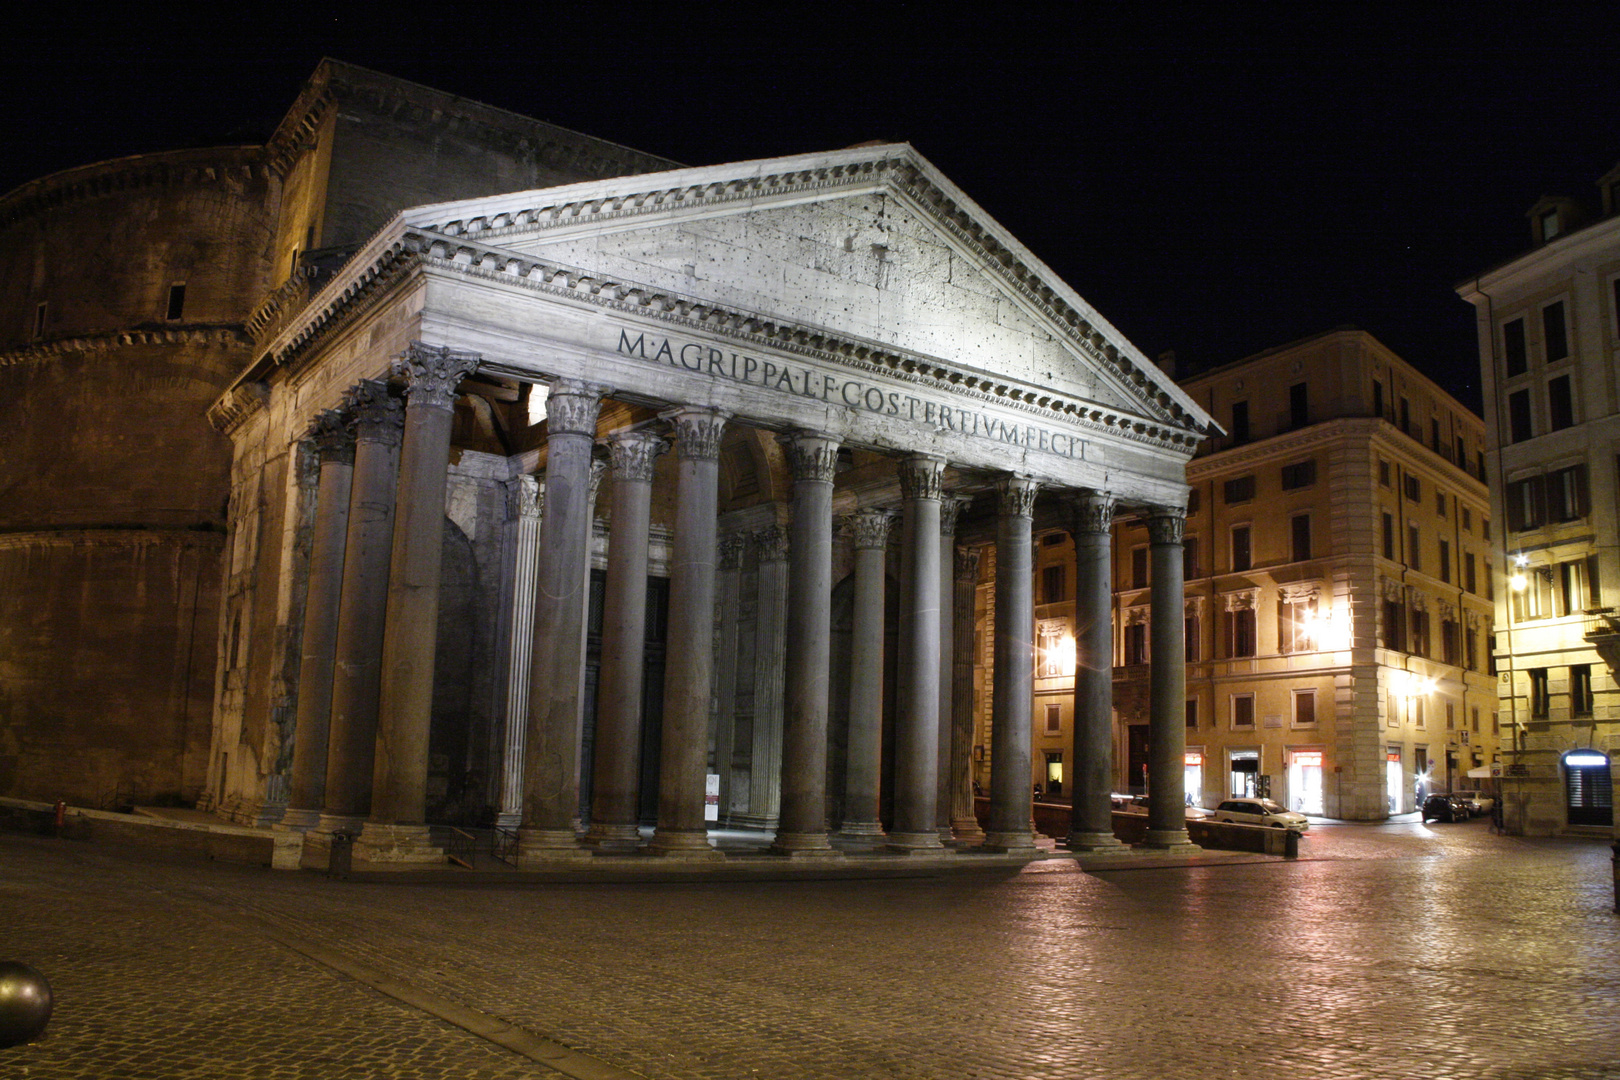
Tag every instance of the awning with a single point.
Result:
(1485, 772)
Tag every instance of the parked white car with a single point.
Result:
(1247, 811)
(1138, 804)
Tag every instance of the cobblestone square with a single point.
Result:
(1399, 951)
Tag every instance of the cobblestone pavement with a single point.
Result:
(1400, 951)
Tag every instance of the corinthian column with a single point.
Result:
(1011, 786)
(916, 794)
(862, 788)
(1091, 818)
(1167, 685)
(556, 673)
(945, 779)
(333, 436)
(964, 816)
(803, 822)
(396, 830)
(614, 805)
(690, 659)
(356, 678)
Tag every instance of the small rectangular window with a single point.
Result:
(1298, 475)
(1470, 580)
(1189, 639)
(1239, 489)
(177, 301)
(1192, 712)
(1378, 390)
(1434, 434)
(1136, 643)
(1566, 494)
(1239, 631)
(1414, 547)
(1514, 354)
(1054, 719)
(1467, 519)
(1389, 536)
(1242, 558)
(1414, 488)
(1560, 404)
(1460, 454)
(1439, 502)
(1139, 568)
(1383, 474)
(1580, 690)
(1304, 708)
(1519, 427)
(1052, 584)
(1538, 693)
(1393, 625)
(40, 312)
(1240, 422)
(1445, 561)
(1243, 710)
(1299, 410)
(1406, 416)
(1526, 503)
(1190, 568)
(1553, 334)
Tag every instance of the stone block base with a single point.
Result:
(915, 843)
(1095, 841)
(968, 829)
(395, 847)
(614, 838)
(539, 848)
(802, 845)
(692, 846)
(1169, 842)
(1017, 843)
(299, 820)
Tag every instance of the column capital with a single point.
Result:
(572, 407)
(772, 543)
(634, 454)
(732, 547)
(870, 528)
(599, 469)
(967, 565)
(1017, 495)
(1166, 524)
(922, 476)
(524, 493)
(432, 373)
(1091, 512)
(811, 455)
(698, 430)
(949, 507)
(332, 433)
(379, 415)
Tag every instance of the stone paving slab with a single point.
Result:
(1414, 952)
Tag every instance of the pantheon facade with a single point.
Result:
(731, 441)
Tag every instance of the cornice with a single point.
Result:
(45, 351)
(1353, 429)
(1601, 238)
(903, 175)
(233, 407)
(209, 166)
(112, 538)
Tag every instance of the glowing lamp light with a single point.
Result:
(1586, 758)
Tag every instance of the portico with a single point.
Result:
(856, 376)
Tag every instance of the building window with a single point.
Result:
(1470, 581)
(1471, 643)
(1136, 643)
(1514, 353)
(1448, 642)
(1534, 600)
(177, 301)
(1189, 639)
(1294, 619)
(1445, 561)
(1239, 628)
(1054, 719)
(1560, 405)
(1406, 416)
(1383, 474)
(1526, 504)
(1566, 494)
(1052, 585)
(1414, 547)
(1538, 693)
(1304, 708)
(1414, 488)
(1389, 536)
(1239, 489)
(1299, 411)
(1139, 568)
(1519, 416)
(1580, 690)
(1190, 569)
(1484, 523)
(1298, 475)
(1577, 585)
(1393, 626)
(1439, 502)
(1451, 716)
(1301, 534)
(1479, 466)
(1550, 225)
(1434, 434)
(1467, 520)
(1460, 454)
(1240, 422)
(1420, 633)
(1475, 714)
(1192, 501)
(1192, 712)
(1243, 711)
(1553, 335)
(1241, 555)
(1378, 387)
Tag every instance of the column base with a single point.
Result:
(802, 845)
(395, 847)
(1169, 842)
(968, 829)
(509, 819)
(861, 830)
(1095, 841)
(299, 820)
(613, 838)
(915, 843)
(539, 848)
(685, 844)
(1010, 843)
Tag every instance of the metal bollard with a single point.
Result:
(1291, 845)
(339, 857)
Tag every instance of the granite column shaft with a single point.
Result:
(864, 772)
(1011, 792)
(1167, 683)
(916, 797)
(1091, 820)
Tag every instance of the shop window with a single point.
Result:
(1538, 693)
(1560, 404)
(1054, 772)
(1304, 708)
(1241, 554)
(1588, 788)
(1580, 690)
(1239, 631)
(1554, 335)
(1243, 711)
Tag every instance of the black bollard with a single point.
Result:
(1291, 845)
(25, 1003)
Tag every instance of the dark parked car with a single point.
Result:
(1443, 807)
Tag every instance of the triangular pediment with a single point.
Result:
(870, 245)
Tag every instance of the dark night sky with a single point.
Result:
(1216, 179)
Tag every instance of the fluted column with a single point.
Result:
(357, 671)
(523, 493)
(863, 776)
(949, 507)
(802, 830)
(396, 830)
(333, 435)
(1011, 791)
(551, 742)
(615, 808)
(1091, 819)
(964, 819)
(690, 660)
(916, 769)
(1167, 684)
(729, 587)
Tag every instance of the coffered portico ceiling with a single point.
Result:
(861, 282)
